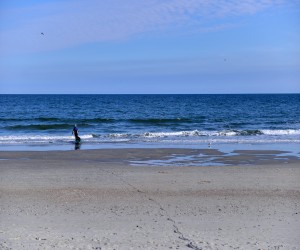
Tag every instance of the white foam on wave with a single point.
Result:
(223, 133)
(167, 134)
(288, 135)
(281, 132)
(193, 133)
(219, 133)
(226, 136)
(118, 135)
(197, 133)
(13, 139)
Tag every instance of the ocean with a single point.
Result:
(147, 120)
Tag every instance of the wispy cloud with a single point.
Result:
(71, 23)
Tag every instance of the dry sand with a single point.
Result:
(95, 199)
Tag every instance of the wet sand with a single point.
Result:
(130, 199)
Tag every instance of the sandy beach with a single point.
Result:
(121, 199)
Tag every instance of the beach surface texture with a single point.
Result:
(121, 199)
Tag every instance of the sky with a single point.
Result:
(149, 46)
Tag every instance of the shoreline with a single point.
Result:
(164, 156)
(283, 146)
(98, 199)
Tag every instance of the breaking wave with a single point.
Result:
(230, 136)
(196, 133)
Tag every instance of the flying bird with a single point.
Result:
(42, 33)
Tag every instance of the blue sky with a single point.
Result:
(150, 46)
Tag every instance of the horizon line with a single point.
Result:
(283, 93)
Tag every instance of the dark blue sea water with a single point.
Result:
(147, 119)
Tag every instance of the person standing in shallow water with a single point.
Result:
(75, 133)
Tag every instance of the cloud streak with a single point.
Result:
(77, 22)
